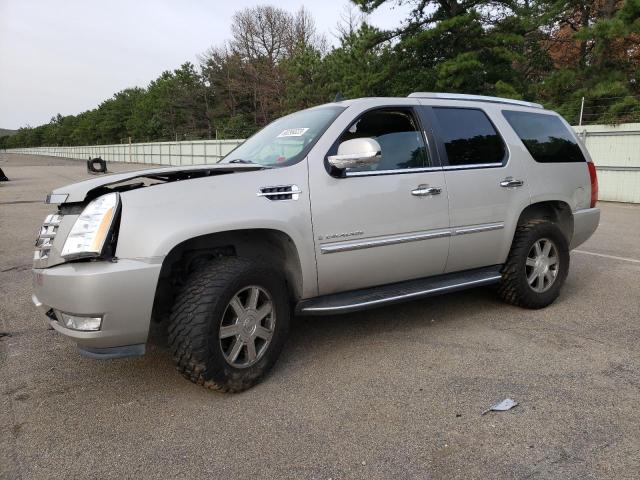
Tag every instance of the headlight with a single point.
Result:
(91, 230)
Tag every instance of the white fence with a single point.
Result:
(615, 151)
(158, 153)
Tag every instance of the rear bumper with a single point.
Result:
(121, 292)
(585, 222)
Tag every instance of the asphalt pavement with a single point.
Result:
(396, 392)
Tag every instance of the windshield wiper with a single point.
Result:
(241, 160)
(246, 162)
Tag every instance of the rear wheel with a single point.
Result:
(537, 266)
(229, 323)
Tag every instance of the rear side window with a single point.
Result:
(546, 137)
(469, 136)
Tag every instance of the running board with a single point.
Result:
(398, 292)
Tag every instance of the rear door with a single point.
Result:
(486, 184)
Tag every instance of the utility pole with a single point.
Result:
(581, 112)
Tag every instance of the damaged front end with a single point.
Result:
(96, 203)
(122, 182)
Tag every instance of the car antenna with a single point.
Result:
(339, 97)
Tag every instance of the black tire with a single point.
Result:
(197, 314)
(514, 287)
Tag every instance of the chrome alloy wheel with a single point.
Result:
(247, 327)
(542, 265)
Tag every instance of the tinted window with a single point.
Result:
(397, 132)
(469, 137)
(545, 136)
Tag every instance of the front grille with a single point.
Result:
(45, 238)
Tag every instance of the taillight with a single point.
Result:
(594, 183)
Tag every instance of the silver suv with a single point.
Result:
(337, 208)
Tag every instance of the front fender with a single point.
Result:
(157, 219)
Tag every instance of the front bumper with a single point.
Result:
(121, 292)
(585, 223)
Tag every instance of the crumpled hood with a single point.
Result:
(78, 192)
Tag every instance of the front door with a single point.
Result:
(486, 183)
(383, 223)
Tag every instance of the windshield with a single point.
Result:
(286, 140)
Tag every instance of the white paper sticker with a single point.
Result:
(293, 132)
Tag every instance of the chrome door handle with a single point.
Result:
(425, 191)
(511, 182)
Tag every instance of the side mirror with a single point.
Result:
(359, 152)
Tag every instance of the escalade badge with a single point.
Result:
(341, 235)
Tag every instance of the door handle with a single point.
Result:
(425, 191)
(510, 182)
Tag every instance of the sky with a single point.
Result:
(68, 56)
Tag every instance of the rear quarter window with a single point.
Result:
(546, 137)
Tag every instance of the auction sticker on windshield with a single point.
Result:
(293, 132)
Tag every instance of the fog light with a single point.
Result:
(76, 322)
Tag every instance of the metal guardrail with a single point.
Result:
(615, 151)
(157, 153)
(610, 133)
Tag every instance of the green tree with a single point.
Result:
(361, 66)
(552, 51)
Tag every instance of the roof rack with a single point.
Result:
(476, 98)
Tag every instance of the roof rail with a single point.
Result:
(476, 98)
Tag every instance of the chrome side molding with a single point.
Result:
(381, 242)
(472, 166)
(477, 228)
(346, 246)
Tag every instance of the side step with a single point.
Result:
(398, 292)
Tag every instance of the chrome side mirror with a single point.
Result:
(358, 152)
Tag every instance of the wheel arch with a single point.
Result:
(262, 244)
(557, 211)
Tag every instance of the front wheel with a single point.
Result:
(537, 265)
(229, 323)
